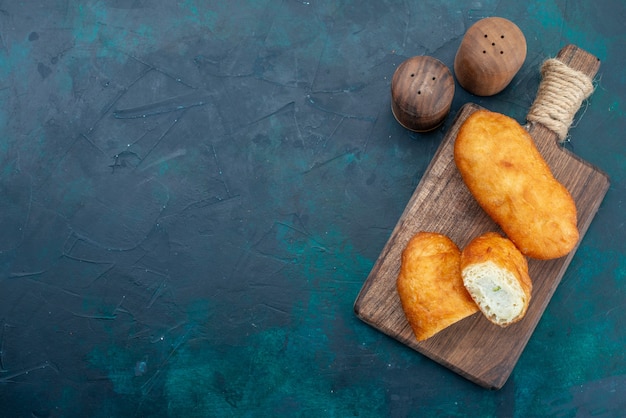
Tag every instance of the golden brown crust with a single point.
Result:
(501, 251)
(511, 181)
(430, 285)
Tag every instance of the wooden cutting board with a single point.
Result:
(473, 347)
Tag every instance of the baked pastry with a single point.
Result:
(511, 181)
(495, 273)
(430, 286)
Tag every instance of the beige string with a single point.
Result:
(561, 92)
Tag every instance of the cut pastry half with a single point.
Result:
(495, 273)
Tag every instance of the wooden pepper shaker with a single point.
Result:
(491, 53)
(422, 89)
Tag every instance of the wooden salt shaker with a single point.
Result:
(491, 53)
(422, 89)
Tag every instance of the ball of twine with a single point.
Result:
(561, 93)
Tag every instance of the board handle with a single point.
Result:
(566, 81)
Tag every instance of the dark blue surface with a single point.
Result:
(193, 193)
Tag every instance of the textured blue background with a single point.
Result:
(192, 194)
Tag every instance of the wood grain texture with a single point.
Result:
(474, 348)
(422, 89)
(491, 53)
